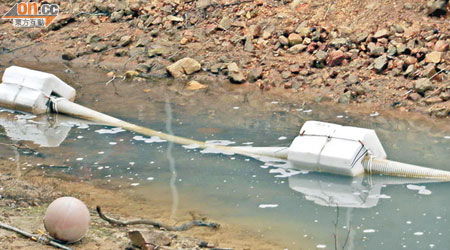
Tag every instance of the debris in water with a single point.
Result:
(421, 189)
(109, 131)
(152, 139)
(268, 205)
(282, 138)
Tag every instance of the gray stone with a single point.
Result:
(158, 51)
(92, 38)
(429, 70)
(295, 39)
(380, 63)
(137, 51)
(286, 74)
(68, 55)
(375, 50)
(398, 28)
(439, 111)
(445, 96)
(339, 42)
(125, 41)
(345, 98)
(315, 36)
(303, 31)
(297, 48)
(422, 85)
(255, 74)
(121, 52)
(99, 47)
(283, 40)
(361, 37)
(353, 79)
(225, 23)
(116, 16)
(248, 46)
(401, 48)
(143, 67)
(202, 4)
(381, 33)
(410, 70)
(321, 55)
(437, 7)
(391, 51)
(235, 74)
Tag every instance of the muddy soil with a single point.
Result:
(26, 194)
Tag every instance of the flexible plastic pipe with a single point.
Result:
(370, 164)
(388, 167)
(62, 105)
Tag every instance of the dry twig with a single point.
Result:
(184, 227)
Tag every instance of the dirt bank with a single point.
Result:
(25, 194)
(392, 54)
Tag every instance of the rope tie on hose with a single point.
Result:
(370, 164)
(53, 103)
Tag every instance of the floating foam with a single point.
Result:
(284, 173)
(152, 139)
(421, 189)
(268, 205)
(109, 131)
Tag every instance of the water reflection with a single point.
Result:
(321, 188)
(343, 191)
(45, 130)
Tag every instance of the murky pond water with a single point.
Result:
(297, 209)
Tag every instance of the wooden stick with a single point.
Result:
(184, 227)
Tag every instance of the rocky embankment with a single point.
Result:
(392, 55)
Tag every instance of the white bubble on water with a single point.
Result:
(152, 139)
(268, 205)
(421, 189)
(109, 131)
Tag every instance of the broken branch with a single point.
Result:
(184, 227)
